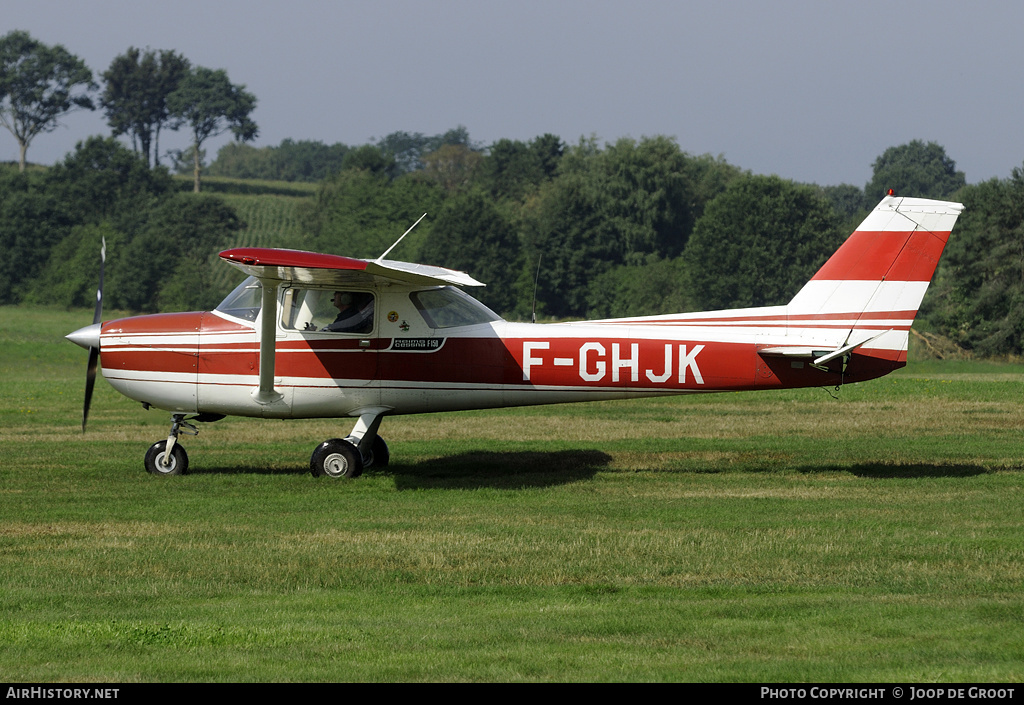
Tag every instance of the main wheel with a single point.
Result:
(178, 464)
(336, 458)
(378, 456)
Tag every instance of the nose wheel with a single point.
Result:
(169, 457)
(160, 462)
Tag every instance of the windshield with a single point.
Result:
(244, 301)
(449, 307)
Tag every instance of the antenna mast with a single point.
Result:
(535, 280)
(381, 258)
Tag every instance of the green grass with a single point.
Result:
(778, 536)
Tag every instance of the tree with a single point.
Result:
(369, 158)
(135, 98)
(302, 160)
(654, 286)
(69, 278)
(210, 104)
(453, 166)
(103, 180)
(167, 264)
(102, 189)
(360, 213)
(605, 208)
(31, 222)
(759, 242)
(514, 168)
(470, 234)
(38, 85)
(407, 150)
(564, 232)
(848, 202)
(979, 289)
(914, 169)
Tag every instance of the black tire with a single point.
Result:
(336, 458)
(155, 457)
(378, 456)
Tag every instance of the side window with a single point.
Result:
(324, 310)
(448, 307)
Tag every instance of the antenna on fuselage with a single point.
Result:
(535, 280)
(381, 258)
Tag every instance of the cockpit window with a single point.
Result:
(448, 307)
(342, 311)
(244, 301)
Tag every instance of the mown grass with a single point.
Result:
(781, 536)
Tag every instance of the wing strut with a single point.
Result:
(265, 393)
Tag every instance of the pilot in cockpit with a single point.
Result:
(355, 312)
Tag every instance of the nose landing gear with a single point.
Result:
(168, 457)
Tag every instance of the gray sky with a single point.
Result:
(810, 90)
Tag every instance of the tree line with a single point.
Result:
(144, 92)
(567, 230)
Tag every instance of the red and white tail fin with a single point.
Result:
(874, 284)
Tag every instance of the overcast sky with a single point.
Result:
(813, 91)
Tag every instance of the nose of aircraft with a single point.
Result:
(88, 337)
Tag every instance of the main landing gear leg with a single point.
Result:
(372, 447)
(348, 457)
(168, 457)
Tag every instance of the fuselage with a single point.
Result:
(417, 358)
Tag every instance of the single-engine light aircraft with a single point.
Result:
(310, 335)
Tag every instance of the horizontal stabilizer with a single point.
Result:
(817, 356)
(793, 352)
(846, 348)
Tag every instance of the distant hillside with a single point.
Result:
(270, 211)
(227, 185)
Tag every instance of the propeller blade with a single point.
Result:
(90, 382)
(94, 352)
(99, 292)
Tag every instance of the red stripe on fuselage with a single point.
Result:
(156, 324)
(170, 345)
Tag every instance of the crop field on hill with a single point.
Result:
(270, 213)
(774, 536)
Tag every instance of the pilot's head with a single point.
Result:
(342, 299)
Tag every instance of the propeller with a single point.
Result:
(94, 350)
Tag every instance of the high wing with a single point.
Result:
(272, 264)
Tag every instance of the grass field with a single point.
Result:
(769, 536)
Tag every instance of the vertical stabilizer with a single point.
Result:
(876, 280)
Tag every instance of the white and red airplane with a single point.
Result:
(311, 335)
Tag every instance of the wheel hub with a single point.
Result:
(335, 465)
